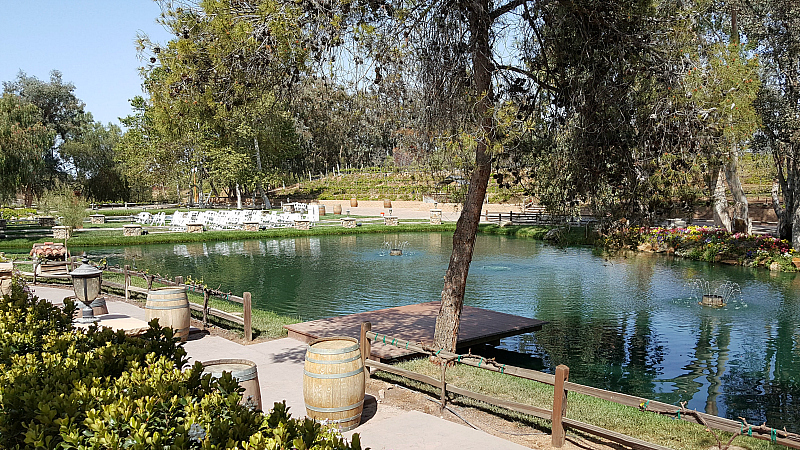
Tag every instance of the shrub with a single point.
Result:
(71, 208)
(81, 389)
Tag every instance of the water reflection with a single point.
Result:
(626, 324)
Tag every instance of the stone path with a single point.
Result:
(280, 374)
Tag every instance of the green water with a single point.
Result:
(627, 324)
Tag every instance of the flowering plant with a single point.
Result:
(716, 244)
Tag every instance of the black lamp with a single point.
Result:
(86, 281)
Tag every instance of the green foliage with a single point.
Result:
(24, 143)
(15, 213)
(708, 244)
(71, 208)
(91, 155)
(73, 389)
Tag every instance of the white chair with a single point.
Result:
(143, 217)
(313, 214)
(159, 219)
(179, 221)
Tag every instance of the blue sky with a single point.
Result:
(91, 42)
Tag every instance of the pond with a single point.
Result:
(626, 324)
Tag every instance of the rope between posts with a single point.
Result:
(774, 433)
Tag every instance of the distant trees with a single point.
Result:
(772, 28)
(25, 143)
(47, 138)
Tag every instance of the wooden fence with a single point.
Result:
(245, 300)
(561, 386)
(60, 269)
(537, 218)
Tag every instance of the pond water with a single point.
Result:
(626, 324)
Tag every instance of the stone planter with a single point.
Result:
(288, 208)
(47, 221)
(348, 222)
(302, 224)
(6, 269)
(251, 226)
(194, 227)
(132, 230)
(436, 217)
(391, 221)
(61, 232)
(98, 219)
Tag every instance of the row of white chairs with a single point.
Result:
(156, 220)
(235, 219)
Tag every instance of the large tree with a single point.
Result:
(61, 111)
(90, 159)
(25, 142)
(772, 28)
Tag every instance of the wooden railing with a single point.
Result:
(537, 218)
(61, 269)
(245, 300)
(561, 386)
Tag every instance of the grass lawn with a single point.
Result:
(647, 426)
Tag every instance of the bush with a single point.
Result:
(15, 213)
(67, 388)
(71, 208)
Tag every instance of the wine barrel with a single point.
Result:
(353, 202)
(171, 307)
(321, 210)
(387, 204)
(337, 209)
(333, 382)
(243, 371)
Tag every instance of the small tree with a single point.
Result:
(64, 202)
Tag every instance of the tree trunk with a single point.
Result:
(796, 226)
(238, 197)
(455, 280)
(740, 220)
(784, 230)
(722, 217)
(259, 187)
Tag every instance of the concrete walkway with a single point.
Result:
(280, 374)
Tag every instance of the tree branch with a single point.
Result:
(508, 7)
(527, 73)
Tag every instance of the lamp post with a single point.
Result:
(86, 281)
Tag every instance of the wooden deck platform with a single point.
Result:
(415, 323)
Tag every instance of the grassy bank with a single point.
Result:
(567, 236)
(113, 238)
(633, 422)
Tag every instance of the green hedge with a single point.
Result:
(89, 389)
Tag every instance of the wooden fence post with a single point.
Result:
(248, 317)
(444, 363)
(127, 281)
(205, 307)
(559, 406)
(366, 347)
(150, 282)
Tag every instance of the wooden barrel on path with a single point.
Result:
(243, 371)
(321, 210)
(353, 202)
(337, 209)
(387, 204)
(333, 382)
(171, 307)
